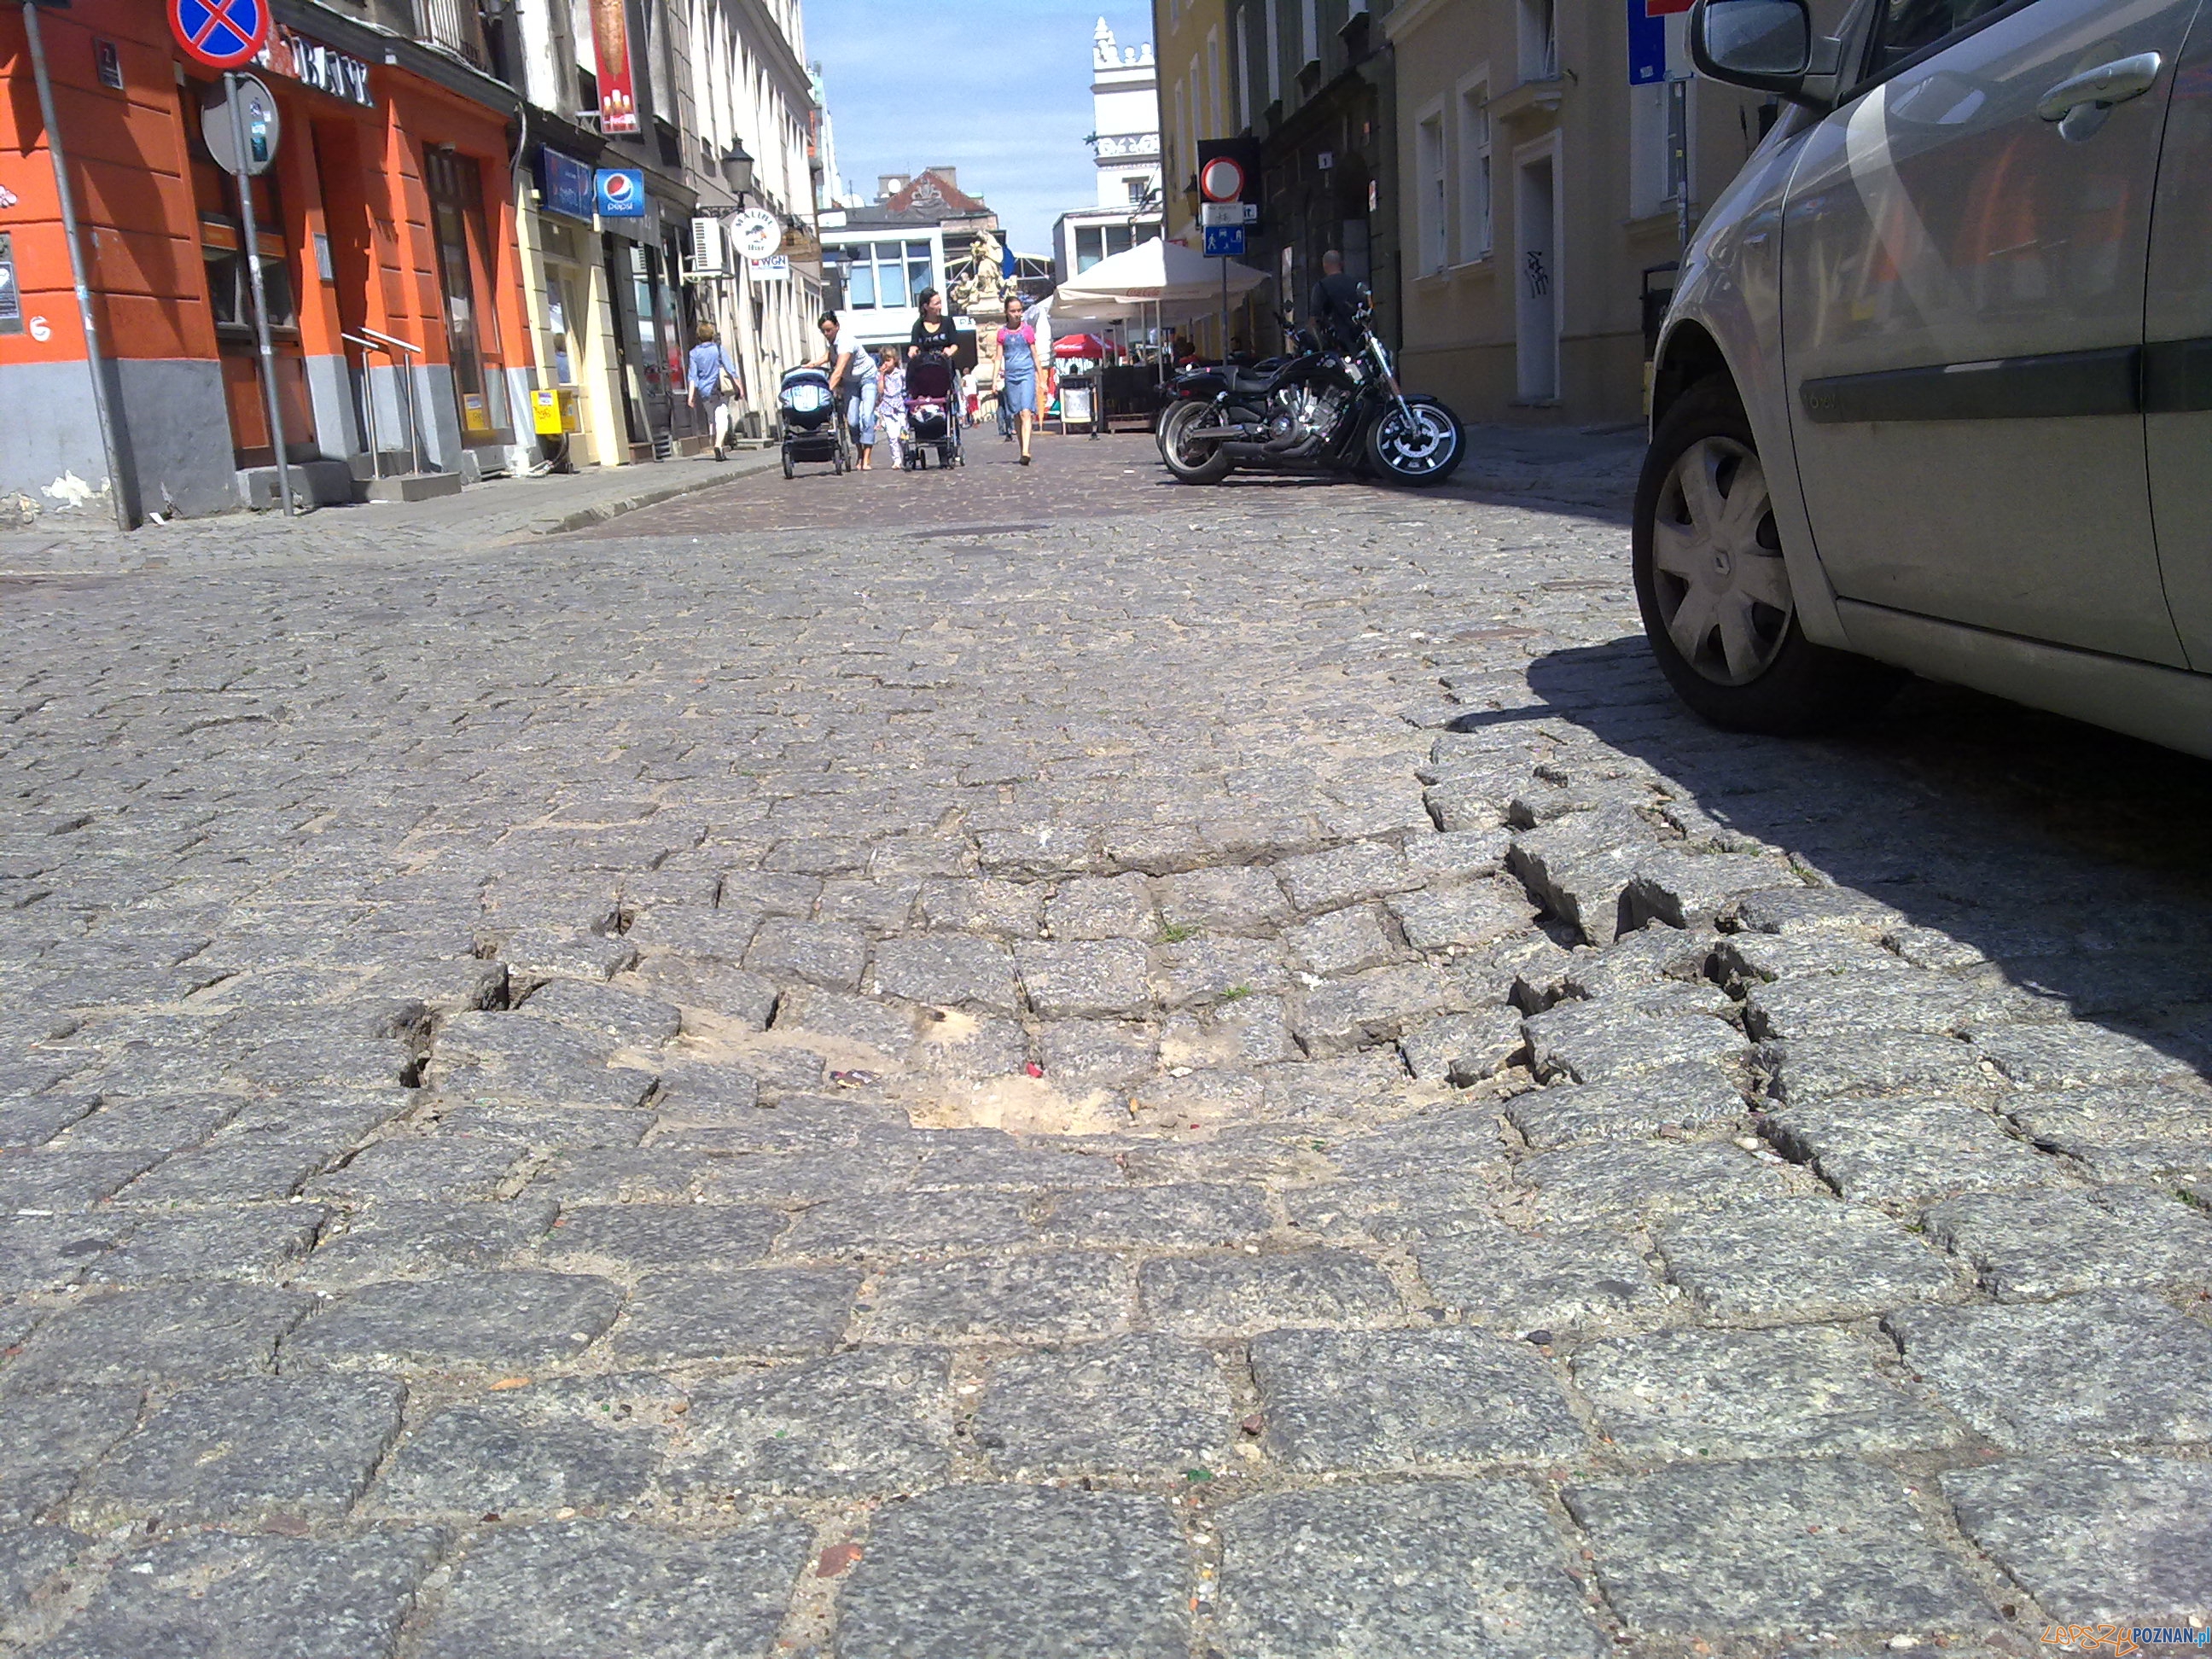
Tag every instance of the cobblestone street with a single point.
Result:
(1028, 1063)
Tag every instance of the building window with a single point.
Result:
(1539, 41)
(1097, 242)
(1181, 160)
(1242, 117)
(455, 186)
(1310, 33)
(1214, 127)
(1648, 184)
(1474, 173)
(1274, 44)
(883, 275)
(1435, 201)
(1140, 189)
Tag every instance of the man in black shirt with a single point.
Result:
(1333, 308)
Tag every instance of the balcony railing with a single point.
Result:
(451, 24)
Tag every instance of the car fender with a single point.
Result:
(1726, 316)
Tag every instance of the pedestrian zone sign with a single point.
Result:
(220, 34)
(1225, 241)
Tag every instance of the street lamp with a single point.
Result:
(738, 169)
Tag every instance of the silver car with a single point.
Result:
(1935, 390)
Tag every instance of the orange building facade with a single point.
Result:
(388, 254)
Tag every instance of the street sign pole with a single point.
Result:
(234, 90)
(118, 495)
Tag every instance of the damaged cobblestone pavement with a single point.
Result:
(1102, 1070)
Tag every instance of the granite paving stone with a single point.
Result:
(1813, 1544)
(31, 1559)
(227, 1596)
(399, 1240)
(1405, 1399)
(2030, 1246)
(47, 1441)
(1190, 1216)
(178, 1333)
(503, 1457)
(870, 1420)
(1050, 1295)
(2095, 1537)
(1019, 1572)
(1078, 978)
(663, 1235)
(1800, 1258)
(1491, 1275)
(241, 1450)
(1669, 1098)
(507, 1321)
(1401, 1571)
(1614, 1183)
(1228, 1295)
(611, 1589)
(2110, 1368)
(952, 969)
(712, 1316)
(1813, 1390)
(1907, 1152)
(1348, 941)
(1463, 1049)
(1141, 1404)
(246, 1241)
(892, 1225)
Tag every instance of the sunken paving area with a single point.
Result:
(945, 1073)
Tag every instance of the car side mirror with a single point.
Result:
(1767, 45)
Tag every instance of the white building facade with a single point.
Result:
(1125, 147)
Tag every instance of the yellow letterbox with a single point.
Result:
(554, 411)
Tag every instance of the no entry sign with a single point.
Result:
(220, 34)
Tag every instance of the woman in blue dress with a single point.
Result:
(1018, 371)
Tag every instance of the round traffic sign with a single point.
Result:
(1222, 180)
(264, 125)
(220, 34)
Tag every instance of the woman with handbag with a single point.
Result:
(715, 381)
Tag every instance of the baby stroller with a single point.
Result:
(813, 428)
(932, 412)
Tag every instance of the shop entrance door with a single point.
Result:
(455, 184)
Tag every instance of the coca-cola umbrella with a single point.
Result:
(1080, 345)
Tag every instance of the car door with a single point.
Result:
(1962, 320)
(2177, 349)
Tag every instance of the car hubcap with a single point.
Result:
(1421, 443)
(1717, 574)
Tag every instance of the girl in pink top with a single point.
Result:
(1017, 361)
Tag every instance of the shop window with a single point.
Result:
(455, 184)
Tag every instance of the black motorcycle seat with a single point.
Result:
(1243, 381)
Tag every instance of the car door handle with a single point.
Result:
(2081, 102)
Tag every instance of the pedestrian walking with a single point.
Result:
(1018, 371)
(716, 383)
(854, 378)
(890, 406)
(932, 329)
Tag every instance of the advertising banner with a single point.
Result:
(610, 46)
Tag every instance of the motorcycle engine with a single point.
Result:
(1302, 414)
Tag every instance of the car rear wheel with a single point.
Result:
(1715, 591)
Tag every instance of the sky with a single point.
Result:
(998, 88)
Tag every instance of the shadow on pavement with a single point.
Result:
(2079, 862)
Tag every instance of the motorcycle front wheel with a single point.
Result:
(1421, 444)
(1193, 460)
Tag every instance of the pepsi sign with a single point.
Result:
(621, 192)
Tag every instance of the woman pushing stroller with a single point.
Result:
(854, 378)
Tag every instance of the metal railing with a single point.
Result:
(402, 371)
(450, 24)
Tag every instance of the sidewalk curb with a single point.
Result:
(584, 517)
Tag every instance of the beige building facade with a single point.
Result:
(1541, 201)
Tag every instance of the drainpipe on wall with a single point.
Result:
(116, 488)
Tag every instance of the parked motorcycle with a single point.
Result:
(1318, 410)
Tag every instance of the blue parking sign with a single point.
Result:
(1225, 241)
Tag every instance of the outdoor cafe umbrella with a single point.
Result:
(1155, 273)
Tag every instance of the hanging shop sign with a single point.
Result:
(312, 64)
(564, 185)
(773, 269)
(622, 193)
(757, 233)
(220, 34)
(610, 51)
